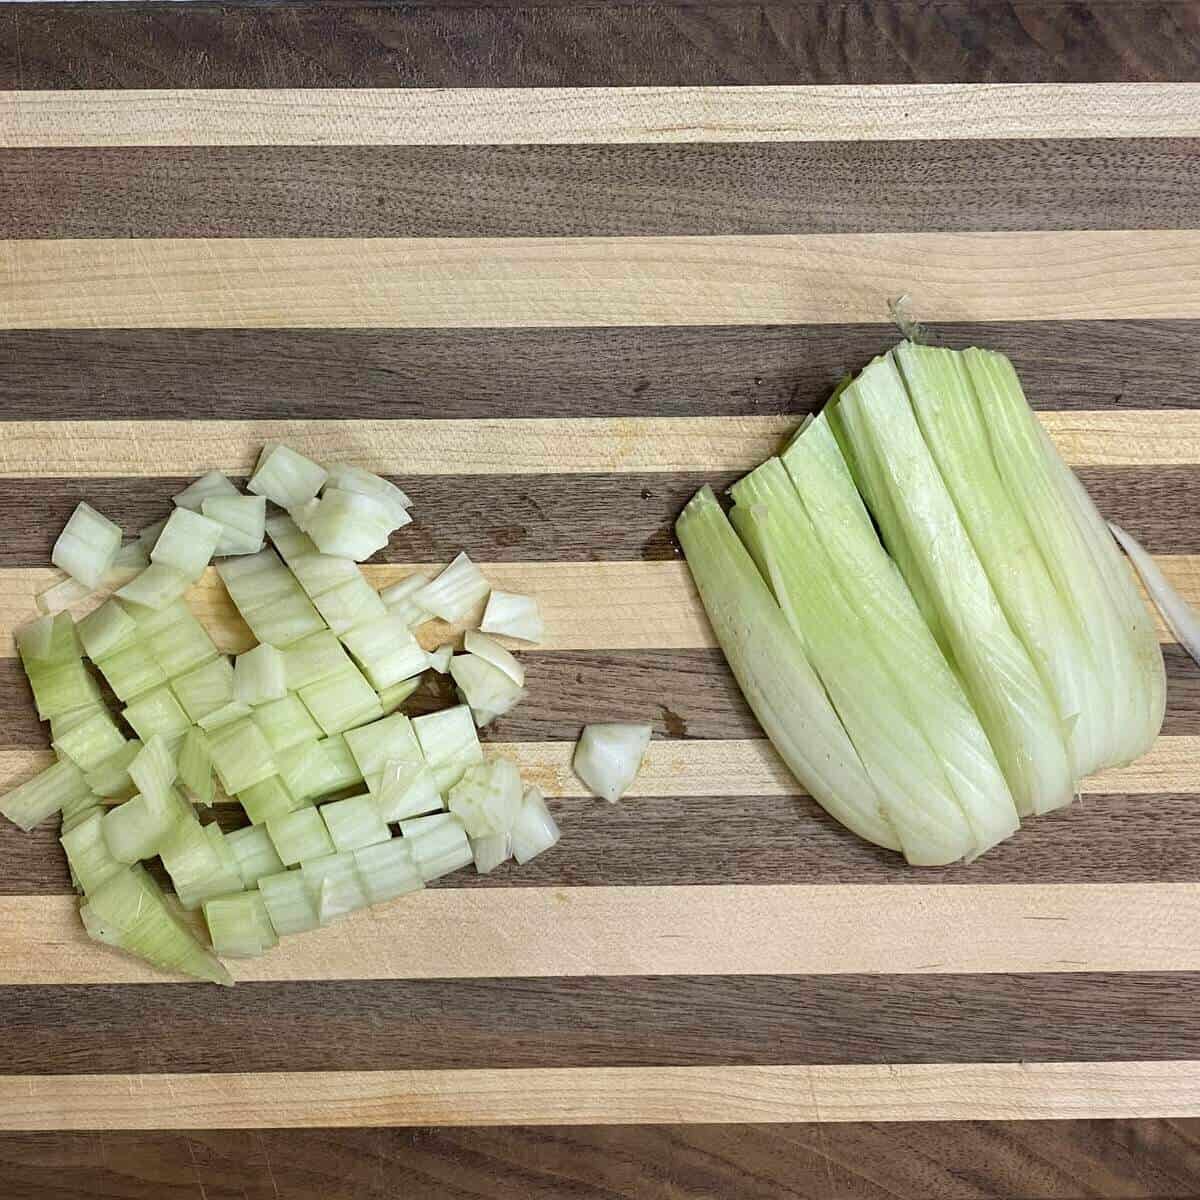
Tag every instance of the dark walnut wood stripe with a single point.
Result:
(1149, 1159)
(651, 1021)
(706, 840)
(823, 41)
(572, 191)
(556, 518)
(163, 374)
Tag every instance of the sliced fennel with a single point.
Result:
(1180, 617)
(608, 757)
(140, 827)
(513, 616)
(390, 698)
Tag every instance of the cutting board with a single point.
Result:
(552, 268)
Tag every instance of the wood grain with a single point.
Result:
(1145, 1159)
(371, 1025)
(599, 191)
(443, 45)
(719, 929)
(648, 605)
(596, 116)
(680, 371)
(605, 1095)
(506, 282)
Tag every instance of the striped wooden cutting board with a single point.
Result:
(552, 267)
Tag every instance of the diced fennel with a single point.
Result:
(46, 793)
(290, 905)
(255, 853)
(259, 676)
(302, 515)
(138, 828)
(87, 853)
(514, 616)
(131, 672)
(242, 519)
(386, 650)
(535, 830)
(128, 911)
(62, 595)
(187, 543)
(334, 883)
(299, 836)
(1080, 554)
(314, 658)
(316, 573)
(181, 646)
(57, 690)
(79, 811)
(487, 798)
(269, 798)
(105, 630)
(157, 586)
(457, 592)
(488, 690)
(285, 476)
(87, 546)
(449, 743)
(341, 767)
(354, 822)
(439, 659)
(286, 621)
(157, 712)
(1180, 617)
(890, 458)
(286, 722)
(439, 844)
(111, 777)
(387, 870)
(191, 859)
(205, 689)
(381, 742)
(91, 742)
(349, 605)
(354, 479)
(195, 766)
(489, 852)
(609, 756)
(408, 790)
(350, 525)
(153, 769)
(48, 642)
(775, 676)
(491, 651)
(208, 486)
(342, 701)
(307, 772)
(241, 755)
(65, 722)
(225, 715)
(239, 925)
(399, 599)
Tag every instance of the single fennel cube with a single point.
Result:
(255, 581)
(239, 925)
(139, 828)
(487, 689)
(242, 520)
(157, 586)
(439, 844)
(487, 798)
(299, 836)
(87, 853)
(489, 852)
(255, 853)
(181, 645)
(333, 881)
(197, 870)
(349, 525)
(387, 870)
(449, 742)
(58, 690)
(266, 799)
(314, 658)
(316, 573)
(513, 616)
(286, 722)
(386, 650)
(457, 592)
(285, 476)
(408, 789)
(195, 766)
(229, 863)
(342, 767)
(87, 545)
(609, 756)
(129, 911)
(399, 599)
(225, 715)
(349, 478)
(492, 652)
(290, 904)
(131, 672)
(157, 712)
(535, 829)
(111, 777)
(286, 621)
(374, 745)
(354, 822)
(258, 676)
(308, 772)
(204, 689)
(187, 542)
(91, 742)
(105, 630)
(241, 755)
(342, 701)
(153, 769)
(46, 793)
(208, 486)
(350, 604)
(50, 641)
(64, 723)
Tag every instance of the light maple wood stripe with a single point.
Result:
(779, 929)
(740, 767)
(518, 446)
(605, 1095)
(491, 116)
(597, 281)
(587, 605)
